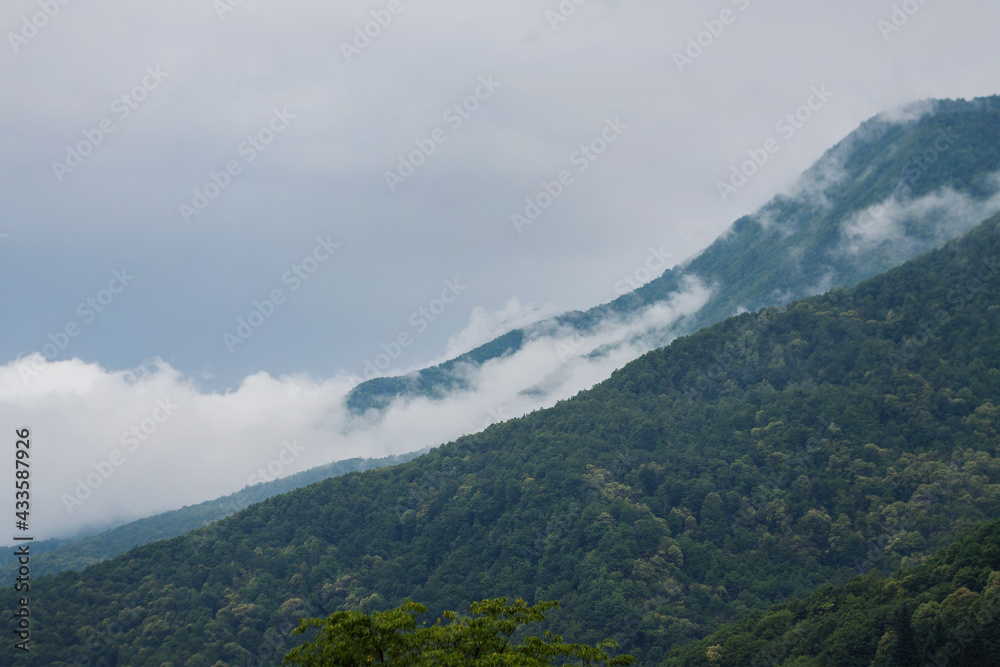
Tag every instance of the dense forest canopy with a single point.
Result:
(489, 636)
(945, 611)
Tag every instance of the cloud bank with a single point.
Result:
(113, 446)
(906, 227)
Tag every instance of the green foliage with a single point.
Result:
(776, 454)
(944, 611)
(485, 639)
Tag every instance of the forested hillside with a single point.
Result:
(51, 556)
(758, 459)
(944, 611)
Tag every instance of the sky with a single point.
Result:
(217, 213)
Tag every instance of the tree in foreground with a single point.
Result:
(485, 639)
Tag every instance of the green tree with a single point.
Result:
(485, 639)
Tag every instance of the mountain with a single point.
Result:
(52, 556)
(890, 170)
(754, 460)
(900, 185)
(943, 611)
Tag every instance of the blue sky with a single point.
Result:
(278, 124)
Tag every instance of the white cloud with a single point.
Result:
(150, 441)
(484, 325)
(108, 447)
(908, 113)
(907, 227)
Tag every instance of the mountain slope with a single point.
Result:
(752, 266)
(890, 191)
(944, 611)
(852, 431)
(52, 556)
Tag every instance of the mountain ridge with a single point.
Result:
(875, 172)
(765, 256)
(653, 514)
